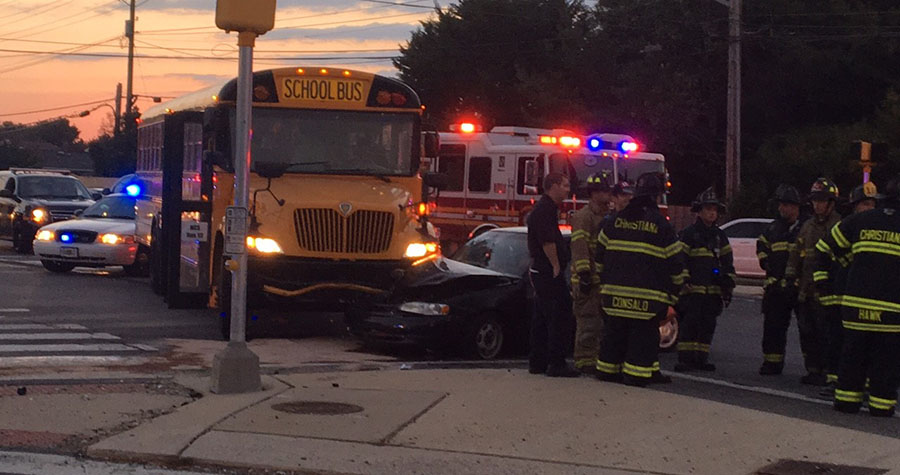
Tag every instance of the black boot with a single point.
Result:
(770, 369)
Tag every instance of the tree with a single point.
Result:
(114, 155)
(508, 61)
(14, 156)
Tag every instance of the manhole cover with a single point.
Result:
(321, 408)
(800, 467)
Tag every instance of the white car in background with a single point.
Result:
(742, 235)
(101, 236)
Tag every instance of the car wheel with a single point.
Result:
(21, 243)
(57, 267)
(141, 265)
(484, 338)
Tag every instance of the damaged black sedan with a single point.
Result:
(478, 302)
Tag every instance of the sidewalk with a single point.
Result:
(496, 421)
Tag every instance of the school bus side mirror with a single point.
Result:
(436, 180)
(431, 144)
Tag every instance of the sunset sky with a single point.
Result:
(68, 55)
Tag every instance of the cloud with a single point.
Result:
(375, 31)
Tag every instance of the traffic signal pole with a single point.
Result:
(129, 86)
(236, 368)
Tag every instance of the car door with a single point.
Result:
(7, 205)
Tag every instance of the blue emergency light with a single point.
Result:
(594, 143)
(65, 237)
(133, 190)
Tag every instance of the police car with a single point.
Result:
(101, 236)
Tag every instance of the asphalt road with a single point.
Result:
(107, 304)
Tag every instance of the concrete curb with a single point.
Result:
(165, 438)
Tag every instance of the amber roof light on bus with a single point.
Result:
(323, 71)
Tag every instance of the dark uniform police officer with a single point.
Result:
(779, 298)
(870, 306)
(552, 302)
(640, 265)
(709, 283)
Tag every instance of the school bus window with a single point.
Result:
(334, 142)
(480, 174)
(452, 162)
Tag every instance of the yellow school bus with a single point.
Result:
(337, 201)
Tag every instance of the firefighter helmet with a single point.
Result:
(787, 194)
(623, 188)
(823, 189)
(648, 184)
(598, 182)
(868, 191)
(708, 197)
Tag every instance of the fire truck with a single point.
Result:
(494, 178)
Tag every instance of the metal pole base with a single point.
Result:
(235, 370)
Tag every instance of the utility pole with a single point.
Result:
(118, 119)
(129, 94)
(733, 134)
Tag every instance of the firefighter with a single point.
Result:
(641, 271)
(622, 194)
(709, 283)
(800, 270)
(586, 224)
(779, 299)
(870, 306)
(830, 279)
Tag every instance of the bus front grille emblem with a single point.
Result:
(345, 208)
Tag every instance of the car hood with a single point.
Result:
(98, 225)
(445, 278)
(59, 203)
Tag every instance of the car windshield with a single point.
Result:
(499, 251)
(334, 142)
(52, 187)
(111, 207)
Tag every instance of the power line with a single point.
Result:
(34, 62)
(52, 109)
(385, 2)
(70, 17)
(33, 10)
(280, 28)
(112, 55)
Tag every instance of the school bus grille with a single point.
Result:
(326, 230)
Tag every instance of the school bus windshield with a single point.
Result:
(334, 142)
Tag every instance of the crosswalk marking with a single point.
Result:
(26, 343)
(66, 348)
(56, 336)
(40, 326)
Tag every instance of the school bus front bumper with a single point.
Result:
(322, 280)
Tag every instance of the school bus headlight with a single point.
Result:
(38, 215)
(263, 245)
(110, 238)
(45, 235)
(420, 249)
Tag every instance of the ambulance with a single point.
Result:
(494, 178)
